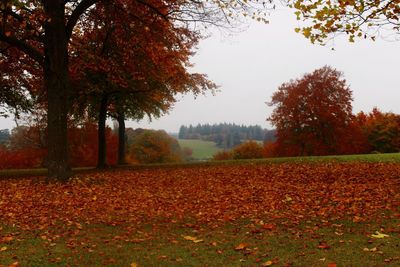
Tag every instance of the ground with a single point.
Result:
(246, 214)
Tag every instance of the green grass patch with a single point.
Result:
(201, 149)
(244, 243)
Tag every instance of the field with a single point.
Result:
(201, 149)
(284, 214)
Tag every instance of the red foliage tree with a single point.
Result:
(83, 145)
(27, 148)
(312, 114)
(45, 30)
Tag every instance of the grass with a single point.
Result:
(201, 149)
(163, 244)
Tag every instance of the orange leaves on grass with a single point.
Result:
(211, 195)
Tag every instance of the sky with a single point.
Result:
(250, 65)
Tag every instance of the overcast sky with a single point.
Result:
(250, 66)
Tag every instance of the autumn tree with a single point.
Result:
(312, 113)
(382, 130)
(145, 67)
(150, 146)
(248, 150)
(357, 19)
(42, 30)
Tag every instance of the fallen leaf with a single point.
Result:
(323, 245)
(268, 226)
(190, 238)
(3, 249)
(6, 239)
(267, 263)
(193, 239)
(241, 246)
(379, 235)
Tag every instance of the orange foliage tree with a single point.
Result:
(312, 114)
(248, 150)
(223, 155)
(382, 130)
(45, 32)
(27, 147)
(150, 146)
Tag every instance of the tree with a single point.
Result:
(362, 19)
(382, 130)
(44, 31)
(142, 75)
(150, 146)
(248, 150)
(312, 114)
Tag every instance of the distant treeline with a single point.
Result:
(226, 135)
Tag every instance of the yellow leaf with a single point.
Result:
(379, 235)
(3, 249)
(241, 246)
(190, 238)
(267, 263)
(134, 264)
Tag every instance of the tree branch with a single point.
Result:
(78, 11)
(23, 46)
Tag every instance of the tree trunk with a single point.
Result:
(121, 138)
(56, 82)
(102, 153)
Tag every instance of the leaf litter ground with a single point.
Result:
(323, 214)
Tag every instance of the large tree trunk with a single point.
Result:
(121, 138)
(57, 85)
(102, 153)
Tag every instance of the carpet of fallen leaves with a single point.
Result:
(211, 195)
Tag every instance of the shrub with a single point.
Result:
(248, 150)
(223, 155)
(22, 158)
(151, 146)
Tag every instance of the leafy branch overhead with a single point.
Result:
(357, 19)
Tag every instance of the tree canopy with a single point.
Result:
(312, 113)
(357, 19)
(47, 33)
